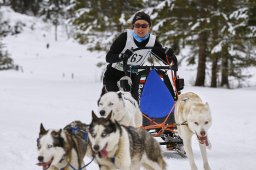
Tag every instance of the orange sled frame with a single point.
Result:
(165, 129)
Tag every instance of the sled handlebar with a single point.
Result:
(143, 48)
(172, 57)
(131, 67)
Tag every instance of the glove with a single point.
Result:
(170, 54)
(169, 51)
(127, 54)
(172, 58)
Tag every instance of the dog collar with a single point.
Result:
(69, 164)
(112, 160)
(183, 123)
(132, 102)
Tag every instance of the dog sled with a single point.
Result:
(158, 88)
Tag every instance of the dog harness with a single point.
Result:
(183, 123)
(69, 164)
(75, 130)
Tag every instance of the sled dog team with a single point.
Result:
(115, 139)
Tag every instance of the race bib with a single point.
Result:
(138, 57)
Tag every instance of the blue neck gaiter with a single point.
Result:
(139, 39)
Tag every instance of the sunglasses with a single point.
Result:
(140, 25)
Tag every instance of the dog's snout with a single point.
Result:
(202, 133)
(40, 158)
(96, 147)
(102, 112)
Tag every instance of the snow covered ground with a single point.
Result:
(61, 84)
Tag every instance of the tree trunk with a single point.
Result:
(200, 77)
(214, 70)
(224, 67)
(56, 32)
(120, 11)
(214, 56)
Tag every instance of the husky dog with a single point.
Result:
(124, 108)
(121, 147)
(192, 116)
(62, 148)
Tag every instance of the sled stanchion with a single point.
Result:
(158, 124)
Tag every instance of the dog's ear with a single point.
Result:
(110, 115)
(98, 102)
(206, 104)
(86, 127)
(58, 141)
(116, 122)
(208, 107)
(42, 129)
(193, 107)
(104, 90)
(59, 132)
(94, 117)
(56, 134)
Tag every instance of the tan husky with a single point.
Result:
(192, 116)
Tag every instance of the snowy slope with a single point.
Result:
(45, 91)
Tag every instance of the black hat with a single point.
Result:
(141, 16)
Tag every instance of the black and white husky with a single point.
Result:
(120, 147)
(62, 148)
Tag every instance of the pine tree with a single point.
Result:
(216, 31)
(252, 13)
(203, 37)
(221, 34)
(5, 61)
(30, 7)
(235, 41)
(99, 21)
(55, 11)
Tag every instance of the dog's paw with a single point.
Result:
(207, 166)
(194, 167)
(209, 146)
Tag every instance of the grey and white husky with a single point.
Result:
(62, 148)
(120, 147)
(192, 116)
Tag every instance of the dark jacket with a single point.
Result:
(112, 75)
(119, 44)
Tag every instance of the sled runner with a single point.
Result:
(158, 89)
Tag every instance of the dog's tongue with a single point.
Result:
(40, 164)
(203, 140)
(44, 165)
(103, 153)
